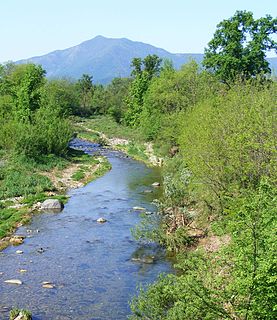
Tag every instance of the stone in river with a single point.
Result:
(22, 270)
(148, 191)
(51, 205)
(17, 240)
(156, 184)
(138, 209)
(13, 281)
(48, 285)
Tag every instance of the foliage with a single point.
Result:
(235, 153)
(238, 49)
(85, 90)
(143, 70)
(61, 95)
(239, 282)
(117, 91)
(169, 96)
(32, 121)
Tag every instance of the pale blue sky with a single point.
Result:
(35, 27)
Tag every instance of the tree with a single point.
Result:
(117, 91)
(143, 76)
(61, 94)
(85, 88)
(238, 48)
(23, 84)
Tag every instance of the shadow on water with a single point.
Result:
(95, 268)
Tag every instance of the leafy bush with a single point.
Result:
(229, 143)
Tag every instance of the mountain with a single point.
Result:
(106, 58)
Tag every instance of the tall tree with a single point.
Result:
(23, 83)
(143, 71)
(238, 48)
(85, 88)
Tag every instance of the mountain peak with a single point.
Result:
(104, 58)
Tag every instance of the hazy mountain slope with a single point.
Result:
(106, 58)
(102, 57)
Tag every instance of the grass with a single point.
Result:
(111, 129)
(135, 150)
(9, 218)
(34, 198)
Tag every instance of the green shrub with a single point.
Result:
(229, 143)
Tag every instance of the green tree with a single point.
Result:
(117, 92)
(61, 94)
(238, 48)
(85, 90)
(143, 71)
(23, 83)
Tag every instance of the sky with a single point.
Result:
(34, 27)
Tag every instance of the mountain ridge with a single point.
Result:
(105, 58)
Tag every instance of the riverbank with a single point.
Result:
(108, 133)
(26, 184)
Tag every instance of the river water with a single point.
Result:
(89, 263)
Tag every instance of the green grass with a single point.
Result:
(34, 198)
(102, 169)
(79, 175)
(135, 150)
(112, 129)
(9, 217)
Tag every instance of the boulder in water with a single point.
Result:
(17, 240)
(156, 184)
(51, 205)
(138, 209)
(13, 281)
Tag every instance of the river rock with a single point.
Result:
(20, 316)
(138, 209)
(156, 184)
(145, 259)
(101, 220)
(22, 270)
(51, 205)
(48, 286)
(148, 191)
(17, 239)
(13, 281)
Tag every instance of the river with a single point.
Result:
(89, 263)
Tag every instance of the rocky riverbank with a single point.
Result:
(76, 174)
